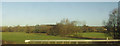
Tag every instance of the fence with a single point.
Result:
(71, 41)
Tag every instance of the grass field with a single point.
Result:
(20, 37)
(94, 35)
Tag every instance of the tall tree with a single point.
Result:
(113, 24)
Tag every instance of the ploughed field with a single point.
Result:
(20, 37)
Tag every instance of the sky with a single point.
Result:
(32, 13)
(60, 0)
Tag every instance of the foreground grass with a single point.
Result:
(20, 37)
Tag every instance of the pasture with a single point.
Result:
(20, 37)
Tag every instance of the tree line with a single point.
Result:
(64, 27)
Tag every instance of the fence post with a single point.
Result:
(77, 42)
(55, 42)
(63, 42)
(107, 40)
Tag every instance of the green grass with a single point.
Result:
(20, 37)
(94, 35)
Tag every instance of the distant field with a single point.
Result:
(94, 35)
(20, 37)
(91, 35)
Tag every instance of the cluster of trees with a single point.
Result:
(113, 24)
(65, 27)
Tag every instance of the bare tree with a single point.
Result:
(113, 24)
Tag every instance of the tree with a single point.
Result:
(36, 29)
(27, 29)
(113, 24)
(65, 27)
